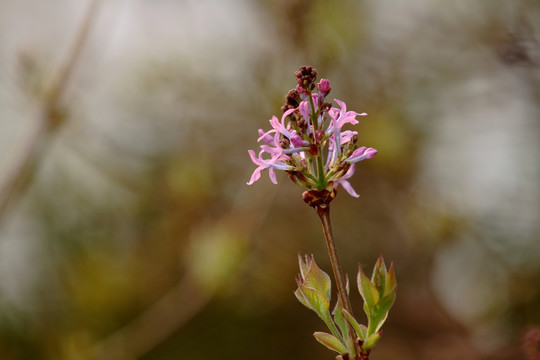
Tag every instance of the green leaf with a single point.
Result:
(351, 347)
(367, 310)
(391, 282)
(367, 290)
(341, 322)
(300, 296)
(304, 266)
(317, 279)
(385, 303)
(371, 341)
(330, 342)
(360, 329)
(380, 312)
(317, 301)
(379, 275)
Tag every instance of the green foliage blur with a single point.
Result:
(139, 239)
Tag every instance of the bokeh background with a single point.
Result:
(127, 230)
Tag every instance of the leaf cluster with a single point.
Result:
(378, 293)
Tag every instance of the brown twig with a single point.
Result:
(324, 214)
(49, 119)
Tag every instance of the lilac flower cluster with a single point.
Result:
(309, 142)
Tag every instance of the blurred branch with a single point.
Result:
(187, 298)
(50, 118)
(155, 324)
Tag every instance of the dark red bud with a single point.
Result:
(325, 107)
(306, 77)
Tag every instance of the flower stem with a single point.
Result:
(315, 122)
(312, 113)
(324, 214)
(320, 171)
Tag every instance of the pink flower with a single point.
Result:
(279, 127)
(346, 136)
(360, 154)
(304, 110)
(265, 137)
(297, 141)
(275, 162)
(309, 141)
(315, 97)
(341, 117)
(346, 184)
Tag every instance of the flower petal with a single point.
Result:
(348, 187)
(255, 176)
(272, 175)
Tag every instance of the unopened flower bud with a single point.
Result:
(300, 90)
(324, 87)
(306, 77)
(315, 98)
(297, 141)
(360, 154)
(325, 106)
(299, 178)
(286, 107)
(303, 108)
(302, 124)
(292, 98)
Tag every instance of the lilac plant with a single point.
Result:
(312, 147)
(310, 144)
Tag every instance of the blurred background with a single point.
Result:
(127, 230)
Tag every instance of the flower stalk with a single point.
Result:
(343, 297)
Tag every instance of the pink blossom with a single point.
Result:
(265, 137)
(304, 110)
(345, 183)
(360, 154)
(347, 135)
(279, 127)
(315, 98)
(341, 116)
(297, 141)
(276, 162)
(314, 136)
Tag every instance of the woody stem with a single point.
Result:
(324, 214)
